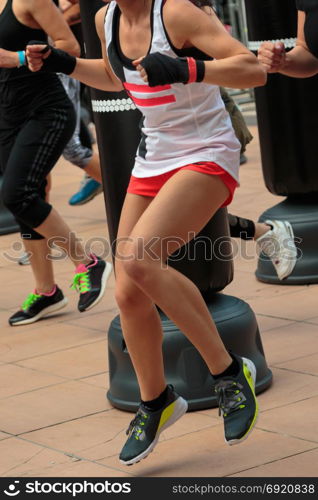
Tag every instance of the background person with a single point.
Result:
(36, 122)
(77, 151)
(275, 238)
(301, 61)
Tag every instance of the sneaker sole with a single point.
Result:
(108, 269)
(179, 411)
(252, 369)
(45, 312)
(91, 197)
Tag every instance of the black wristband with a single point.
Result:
(163, 69)
(200, 70)
(58, 61)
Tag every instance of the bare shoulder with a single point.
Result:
(182, 16)
(184, 20)
(100, 19)
(177, 8)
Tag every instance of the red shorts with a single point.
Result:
(150, 186)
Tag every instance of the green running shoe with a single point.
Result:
(38, 305)
(237, 402)
(144, 430)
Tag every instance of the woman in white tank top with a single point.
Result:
(186, 168)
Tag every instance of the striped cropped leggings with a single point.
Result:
(31, 148)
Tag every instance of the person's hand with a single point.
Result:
(72, 15)
(36, 55)
(66, 4)
(49, 59)
(272, 56)
(141, 69)
(158, 69)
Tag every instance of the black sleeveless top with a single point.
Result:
(15, 36)
(21, 91)
(310, 7)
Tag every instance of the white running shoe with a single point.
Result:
(278, 244)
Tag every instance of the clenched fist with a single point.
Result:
(272, 56)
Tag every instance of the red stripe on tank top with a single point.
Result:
(145, 88)
(154, 101)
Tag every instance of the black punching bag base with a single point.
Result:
(7, 222)
(302, 213)
(184, 367)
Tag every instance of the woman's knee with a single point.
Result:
(138, 262)
(27, 206)
(130, 298)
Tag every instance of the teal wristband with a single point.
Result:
(22, 59)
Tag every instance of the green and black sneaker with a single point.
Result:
(38, 305)
(237, 402)
(144, 430)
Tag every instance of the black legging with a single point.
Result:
(30, 146)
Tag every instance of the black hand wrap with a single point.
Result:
(58, 61)
(163, 69)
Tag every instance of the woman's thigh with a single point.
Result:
(183, 206)
(133, 208)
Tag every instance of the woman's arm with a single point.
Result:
(8, 59)
(47, 16)
(233, 65)
(95, 73)
(298, 63)
(50, 19)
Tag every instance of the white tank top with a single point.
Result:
(182, 124)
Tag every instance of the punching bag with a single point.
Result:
(207, 260)
(117, 127)
(287, 114)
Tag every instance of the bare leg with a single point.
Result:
(139, 317)
(55, 230)
(42, 267)
(186, 203)
(143, 335)
(93, 168)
